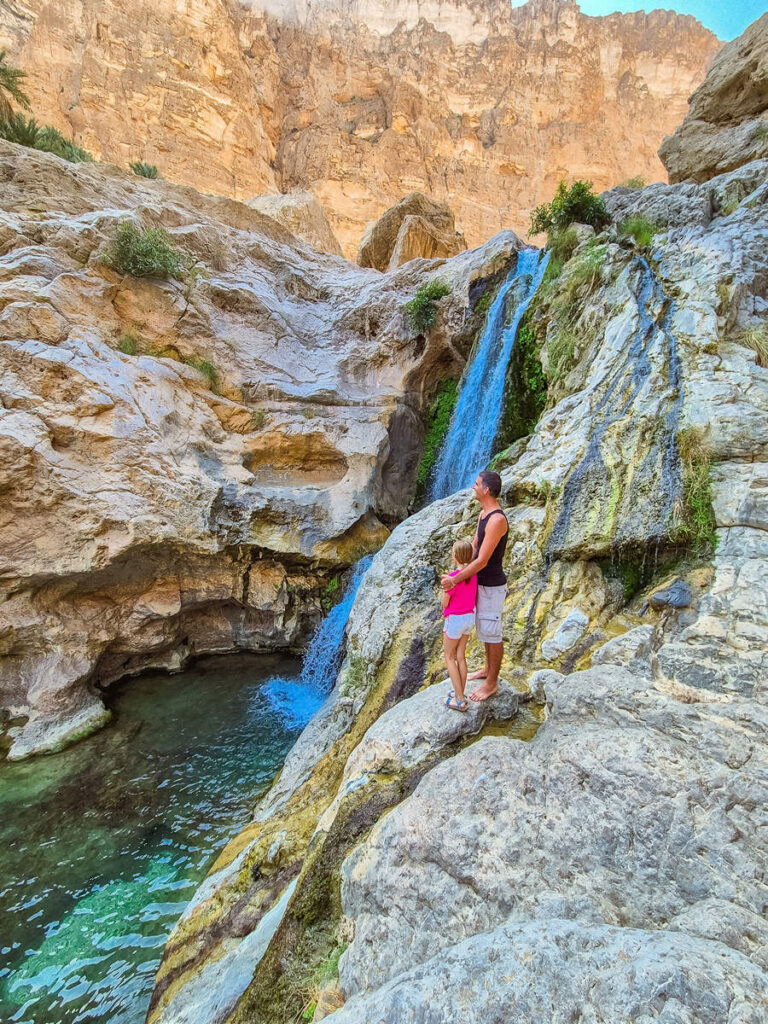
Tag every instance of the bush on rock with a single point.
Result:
(575, 205)
(421, 310)
(145, 253)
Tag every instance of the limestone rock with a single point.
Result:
(543, 684)
(363, 101)
(304, 217)
(673, 595)
(633, 646)
(570, 630)
(556, 971)
(416, 226)
(415, 732)
(727, 123)
(541, 831)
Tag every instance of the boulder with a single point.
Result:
(302, 215)
(568, 633)
(416, 226)
(727, 122)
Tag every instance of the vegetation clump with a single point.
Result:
(421, 310)
(144, 170)
(693, 517)
(525, 389)
(129, 344)
(330, 594)
(10, 88)
(562, 245)
(27, 132)
(756, 338)
(637, 181)
(438, 420)
(208, 370)
(145, 253)
(577, 204)
(638, 228)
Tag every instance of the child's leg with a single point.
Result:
(449, 649)
(461, 660)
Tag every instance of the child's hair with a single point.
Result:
(463, 552)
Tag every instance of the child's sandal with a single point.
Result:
(454, 704)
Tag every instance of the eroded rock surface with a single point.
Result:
(184, 461)
(727, 123)
(415, 227)
(304, 217)
(362, 102)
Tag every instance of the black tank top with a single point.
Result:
(492, 575)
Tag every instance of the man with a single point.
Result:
(489, 545)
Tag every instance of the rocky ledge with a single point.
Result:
(186, 462)
(609, 862)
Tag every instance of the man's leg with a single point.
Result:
(493, 656)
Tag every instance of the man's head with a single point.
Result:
(488, 483)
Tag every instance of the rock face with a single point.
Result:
(414, 227)
(727, 123)
(475, 103)
(183, 462)
(304, 217)
(613, 866)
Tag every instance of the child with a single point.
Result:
(459, 613)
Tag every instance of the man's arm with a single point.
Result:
(494, 531)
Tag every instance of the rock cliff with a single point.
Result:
(477, 104)
(612, 865)
(185, 462)
(727, 124)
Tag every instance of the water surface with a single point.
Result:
(102, 845)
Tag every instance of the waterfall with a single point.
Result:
(299, 698)
(475, 421)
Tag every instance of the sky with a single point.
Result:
(726, 18)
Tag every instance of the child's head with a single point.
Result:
(463, 552)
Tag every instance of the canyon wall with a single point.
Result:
(478, 104)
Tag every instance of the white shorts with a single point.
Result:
(457, 626)
(490, 605)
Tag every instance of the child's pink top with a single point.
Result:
(463, 597)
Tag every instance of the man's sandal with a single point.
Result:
(456, 705)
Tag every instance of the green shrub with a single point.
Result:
(27, 132)
(484, 303)
(693, 519)
(639, 228)
(16, 128)
(258, 419)
(438, 420)
(145, 253)
(636, 182)
(129, 344)
(330, 595)
(525, 388)
(562, 244)
(144, 170)
(209, 371)
(421, 310)
(575, 204)
(50, 140)
(760, 133)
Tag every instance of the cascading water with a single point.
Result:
(475, 422)
(298, 699)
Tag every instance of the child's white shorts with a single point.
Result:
(459, 625)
